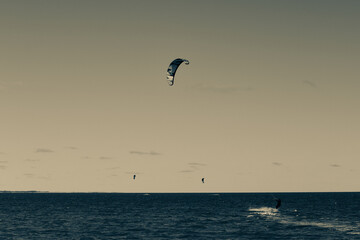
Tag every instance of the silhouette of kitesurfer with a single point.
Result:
(278, 204)
(203, 180)
(134, 177)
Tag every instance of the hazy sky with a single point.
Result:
(269, 102)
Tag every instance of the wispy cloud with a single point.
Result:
(309, 83)
(220, 88)
(277, 164)
(132, 173)
(186, 171)
(44, 150)
(335, 165)
(113, 168)
(3, 161)
(43, 178)
(32, 160)
(144, 153)
(194, 166)
(3, 167)
(95, 157)
(197, 164)
(29, 175)
(71, 148)
(244, 173)
(9, 84)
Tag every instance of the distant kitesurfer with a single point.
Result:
(203, 180)
(278, 204)
(134, 177)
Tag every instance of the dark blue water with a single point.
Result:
(179, 216)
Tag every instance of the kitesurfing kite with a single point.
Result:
(134, 177)
(203, 180)
(174, 65)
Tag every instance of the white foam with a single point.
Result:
(264, 211)
(350, 229)
(274, 214)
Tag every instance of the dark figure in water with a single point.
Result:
(134, 177)
(278, 204)
(203, 180)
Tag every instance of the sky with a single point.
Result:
(268, 103)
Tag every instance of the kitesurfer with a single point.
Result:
(278, 203)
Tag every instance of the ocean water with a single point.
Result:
(179, 216)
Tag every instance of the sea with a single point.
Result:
(179, 216)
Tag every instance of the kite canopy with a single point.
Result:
(174, 65)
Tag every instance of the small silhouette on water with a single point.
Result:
(203, 180)
(134, 177)
(278, 204)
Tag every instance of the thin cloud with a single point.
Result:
(197, 164)
(132, 173)
(44, 178)
(335, 165)
(32, 160)
(9, 84)
(186, 171)
(105, 158)
(29, 175)
(44, 150)
(309, 83)
(244, 173)
(71, 148)
(3, 161)
(3, 167)
(221, 88)
(277, 164)
(113, 168)
(144, 153)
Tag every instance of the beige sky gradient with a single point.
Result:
(269, 102)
